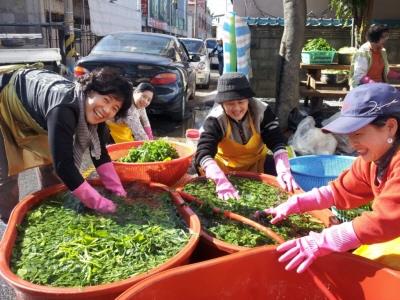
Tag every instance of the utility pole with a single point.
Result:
(69, 37)
(195, 19)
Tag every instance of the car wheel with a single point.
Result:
(193, 91)
(207, 85)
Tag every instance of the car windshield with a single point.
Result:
(193, 46)
(136, 43)
(211, 43)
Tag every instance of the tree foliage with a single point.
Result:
(358, 10)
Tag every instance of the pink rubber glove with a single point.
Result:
(284, 176)
(224, 189)
(149, 132)
(303, 251)
(366, 79)
(317, 198)
(92, 199)
(110, 179)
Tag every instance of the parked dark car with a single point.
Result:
(148, 57)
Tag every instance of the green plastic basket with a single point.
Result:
(317, 57)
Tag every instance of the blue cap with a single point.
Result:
(364, 104)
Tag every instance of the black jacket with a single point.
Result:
(214, 129)
(49, 99)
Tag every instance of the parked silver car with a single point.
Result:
(198, 47)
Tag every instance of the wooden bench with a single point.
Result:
(315, 90)
(322, 93)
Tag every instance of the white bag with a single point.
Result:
(309, 140)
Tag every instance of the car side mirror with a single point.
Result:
(195, 58)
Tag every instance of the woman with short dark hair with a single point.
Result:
(370, 63)
(45, 118)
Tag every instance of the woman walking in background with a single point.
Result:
(219, 48)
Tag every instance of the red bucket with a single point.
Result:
(165, 172)
(29, 291)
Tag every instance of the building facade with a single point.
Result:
(165, 16)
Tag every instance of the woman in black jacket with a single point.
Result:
(46, 119)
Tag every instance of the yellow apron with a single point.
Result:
(387, 253)
(120, 132)
(232, 156)
(26, 143)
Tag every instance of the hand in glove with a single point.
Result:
(149, 132)
(317, 198)
(110, 179)
(224, 188)
(366, 79)
(284, 176)
(303, 251)
(92, 199)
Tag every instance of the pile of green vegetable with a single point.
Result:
(151, 151)
(60, 243)
(227, 230)
(350, 214)
(254, 195)
(318, 44)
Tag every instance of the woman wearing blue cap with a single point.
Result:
(370, 117)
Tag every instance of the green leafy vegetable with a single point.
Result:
(350, 214)
(61, 243)
(151, 151)
(255, 195)
(227, 230)
(318, 44)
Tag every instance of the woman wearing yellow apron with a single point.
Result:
(135, 125)
(46, 119)
(370, 117)
(235, 137)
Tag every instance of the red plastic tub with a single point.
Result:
(256, 274)
(165, 172)
(26, 290)
(212, 247)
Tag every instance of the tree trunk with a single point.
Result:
(362, 16)
(366, 18)
(287, 86)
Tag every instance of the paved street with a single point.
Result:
(28, 181)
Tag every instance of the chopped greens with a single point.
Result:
(151, 151)
(318, 44)
(63, 244)
(350, 214)
(255, 195)
(229, 231)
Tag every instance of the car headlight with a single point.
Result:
(201, 66)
